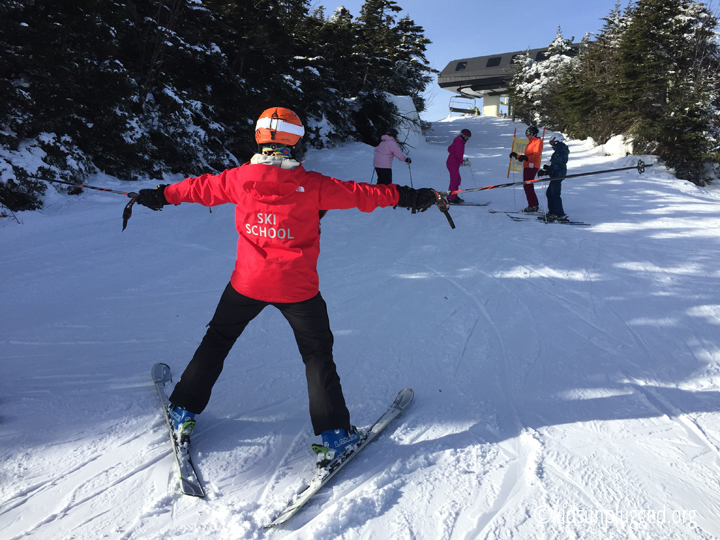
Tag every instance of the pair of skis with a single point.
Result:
(528, 216)
(190, 483)
(468, 204)
(546, 221)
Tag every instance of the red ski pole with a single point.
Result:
(640, 168)
(127, 212)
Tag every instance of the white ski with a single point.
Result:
(189, 481)
(324, 475)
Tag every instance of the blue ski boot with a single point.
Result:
(183, 423)
(334, 443)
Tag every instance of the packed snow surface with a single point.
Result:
(567, 378)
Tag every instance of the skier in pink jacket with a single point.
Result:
(384, 154)
(454, 161)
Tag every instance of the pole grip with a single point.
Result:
(127, 212)
(444, 207)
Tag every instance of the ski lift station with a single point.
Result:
(483, 77)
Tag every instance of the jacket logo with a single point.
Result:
(300, 189)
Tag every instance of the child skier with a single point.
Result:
(556, 169)
(384, 154)
(277, 216)
(455, 159)
(531, 164)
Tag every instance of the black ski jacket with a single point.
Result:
(559, 159)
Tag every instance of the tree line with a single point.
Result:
(145, 89)
(652, 74)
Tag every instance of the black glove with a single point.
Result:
(417, 200)
(154, 199)
(513, 155)
(545, 171)
(408, 161)
(522, 158)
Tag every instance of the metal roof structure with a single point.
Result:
(484, 75)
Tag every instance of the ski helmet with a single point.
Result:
(279, 125)
(557, 138)
(532, 130)
(392, 132)
(466, 132)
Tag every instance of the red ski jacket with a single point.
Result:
(276, 216)
(533, 151)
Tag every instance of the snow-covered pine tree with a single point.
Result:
(585, 102)
(376, 41)
(328, 45)
(668, 74)
(60, 89)
(534, 81)
(412, 71)
(144, 89)
(391, 58)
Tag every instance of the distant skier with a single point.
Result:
(556, 169)
(531, 164)
(455, 159)
(277, 216)
(384, 154)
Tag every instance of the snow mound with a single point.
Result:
(617, 146)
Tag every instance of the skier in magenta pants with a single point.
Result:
(454, 161)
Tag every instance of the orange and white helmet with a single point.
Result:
(279, 125)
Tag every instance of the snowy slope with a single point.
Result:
(567, 379)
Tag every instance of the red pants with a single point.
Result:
(529, 174)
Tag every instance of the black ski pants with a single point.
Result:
(310, 323)
(384, 176)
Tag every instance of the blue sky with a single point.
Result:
(467, 28)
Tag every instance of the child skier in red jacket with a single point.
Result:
(278, 206)
(531, 164)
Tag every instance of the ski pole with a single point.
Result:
(127, 212)
(640, 168)
(129, 194)
(410, 171)
(472, 174)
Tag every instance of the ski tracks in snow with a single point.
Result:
(92, 485)
(516, 467)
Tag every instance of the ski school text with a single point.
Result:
(263, 228)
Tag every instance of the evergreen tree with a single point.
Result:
(391, 59)
(652, 75)
(325, 72)
(535, 83)
(146, 89)
(60, 88)
(668, 68)
(586, 103)
(376, 41)
(411, 72)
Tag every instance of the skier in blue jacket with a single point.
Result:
(556, 169)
